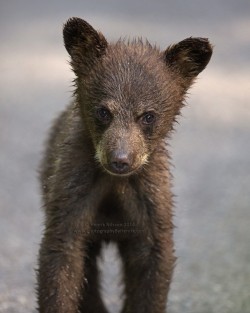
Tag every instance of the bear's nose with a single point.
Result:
(120, 163)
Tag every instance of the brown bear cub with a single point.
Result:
(105, 175)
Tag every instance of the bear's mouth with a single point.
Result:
(119, 170)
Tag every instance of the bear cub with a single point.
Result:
(105, 175)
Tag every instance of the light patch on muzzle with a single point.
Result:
(99, 153)
(102, 158)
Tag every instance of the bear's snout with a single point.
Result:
(120, 162)
(122, 155)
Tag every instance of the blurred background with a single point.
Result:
(210, 148)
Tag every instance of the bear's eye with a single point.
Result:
(148, 118)
(103, 115)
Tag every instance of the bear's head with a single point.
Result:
(130, 92)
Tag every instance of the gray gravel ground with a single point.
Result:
(210, 150)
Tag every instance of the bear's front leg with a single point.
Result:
(61, 268)
(148, 271)
(148, 265)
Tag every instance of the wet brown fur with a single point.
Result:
(84, 202)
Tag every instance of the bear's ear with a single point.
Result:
(83, 43)
(189, 57)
